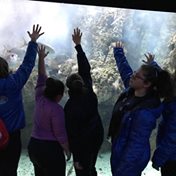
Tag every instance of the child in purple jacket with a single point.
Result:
(49, 138)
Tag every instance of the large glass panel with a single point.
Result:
(141, 31)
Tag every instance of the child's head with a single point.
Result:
(54, 89)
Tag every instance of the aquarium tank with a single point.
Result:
(141, 31)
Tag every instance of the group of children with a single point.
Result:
(76, 129)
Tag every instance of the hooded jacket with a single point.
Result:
(11, 102)
(166, 135)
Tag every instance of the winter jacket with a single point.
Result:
(83, 122)
(49, 120)
(131, 147)
(11, 102)
(166, 135)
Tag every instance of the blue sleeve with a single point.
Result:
(155, 64)
(140, 132)
(83, 66)
(123, 66)
(167, 145)
(22, 74)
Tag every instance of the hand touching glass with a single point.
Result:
(35, 33)
(150, 58)
(76, 36)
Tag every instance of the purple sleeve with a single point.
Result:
(58, 125)
(40, 85)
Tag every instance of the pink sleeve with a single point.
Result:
(58, 125)
(40, 85)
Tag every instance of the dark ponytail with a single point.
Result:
(165, 84)
(151, 74)
(53, 88)
(4, 68)
(160, 79)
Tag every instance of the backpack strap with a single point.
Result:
(4, 135)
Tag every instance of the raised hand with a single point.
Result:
(42, 52)
(150, 58)
(76, 36)
(35, 33)
(41, 62)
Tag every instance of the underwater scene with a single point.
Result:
(141, 32)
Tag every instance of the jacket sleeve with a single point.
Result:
(22, 74)
(40, 86)
(167, 144)
(123, 66)
(58, 125)
(76, 137)
(83, 66)
(155, 64)
(73, 122)
(141, 129)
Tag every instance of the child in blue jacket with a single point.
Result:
(11, 104)
(134, 116)
(164, 156)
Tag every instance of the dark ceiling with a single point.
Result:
(155, 5)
